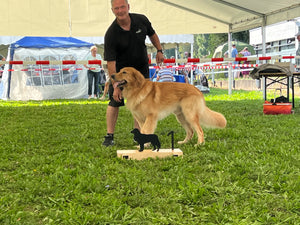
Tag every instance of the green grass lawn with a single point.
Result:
(53, 169)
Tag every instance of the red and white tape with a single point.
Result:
(239, 59)
(48, 62)
(188, 63)
(189, 60)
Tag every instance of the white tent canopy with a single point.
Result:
(92, 18)
(39, 82)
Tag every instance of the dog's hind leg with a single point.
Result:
(193, 119)
(199, 132)
(184, 123)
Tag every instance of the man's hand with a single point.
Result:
(117, 95)
(159, 57)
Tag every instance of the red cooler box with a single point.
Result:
(277, 108)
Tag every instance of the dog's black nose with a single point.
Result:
(113, 76)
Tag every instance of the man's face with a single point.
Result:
(120, 8)
(298, 38)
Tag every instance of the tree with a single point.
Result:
(201, 45)
(205, 44)
(215, 40)
(241, 36)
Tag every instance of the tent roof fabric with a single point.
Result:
(86, 18)
(49, 42)
(237, 15)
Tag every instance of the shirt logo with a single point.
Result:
(138, 31)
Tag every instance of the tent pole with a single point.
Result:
(263, 33)
(176, 57)
(230, 71)
(11, 58)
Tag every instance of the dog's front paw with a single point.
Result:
(181, 142)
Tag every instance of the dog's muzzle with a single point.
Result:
(122, 83)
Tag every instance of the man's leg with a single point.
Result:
(111, 118)
(112, 113)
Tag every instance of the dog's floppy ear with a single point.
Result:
(138, 76)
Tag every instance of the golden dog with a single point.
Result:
(152, 101)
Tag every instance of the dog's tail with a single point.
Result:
(212, 119)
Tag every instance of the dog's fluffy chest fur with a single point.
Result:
(150, 95)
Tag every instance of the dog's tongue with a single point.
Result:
(116, 84)
(121, 83)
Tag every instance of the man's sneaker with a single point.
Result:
(109, 141)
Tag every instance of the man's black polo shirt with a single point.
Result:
(128, 48)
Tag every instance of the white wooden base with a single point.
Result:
(148, 153)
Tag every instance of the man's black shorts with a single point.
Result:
(112, 102)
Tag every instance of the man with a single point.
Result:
(124, 45)
(234, 54)
(245, 53)
(298, 51)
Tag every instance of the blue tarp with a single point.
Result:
(49, 42)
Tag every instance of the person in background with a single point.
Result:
(165, 75)
(93, 72)
(234, 54)
(245, 53)
(298, 51)
(2, 58)
(226, 54)
(102, 81)
(126, 37)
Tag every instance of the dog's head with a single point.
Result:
(127, 77)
